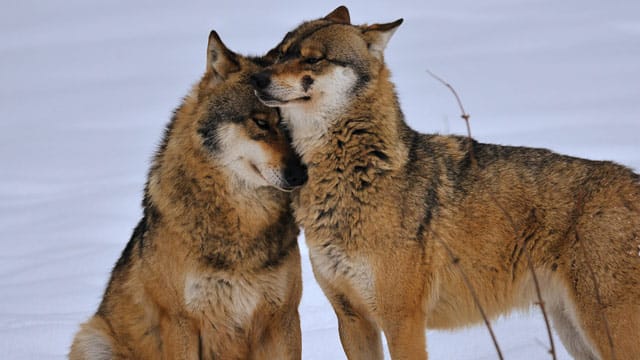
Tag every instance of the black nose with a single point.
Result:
(261, 80)
(295, 173)
(307, 81)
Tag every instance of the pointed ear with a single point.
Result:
(272, 55)
(378, 35)
(340, 15)
(220, 60)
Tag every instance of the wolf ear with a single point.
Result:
(272, 55)
(220, 60)
(378, 35)
(340, 15)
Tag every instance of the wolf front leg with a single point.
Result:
(281, 336)
(406, 337)
(401, 303)
(180, 339)
(281, 339)
(359, 335)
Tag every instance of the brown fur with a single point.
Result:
(212, 271)
(381, 199)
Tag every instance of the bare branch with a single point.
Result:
(578, 211)
(541, 303)
(456, 262)
(596, 290)
(552, 349)
(465, 116)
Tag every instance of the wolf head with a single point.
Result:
(234, 129)
(321, 66)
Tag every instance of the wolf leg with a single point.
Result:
(570, 335)
(180, 340)
(359, 333)
(281, 339)
(406, 337)
(624, 325)
(584, 321)
(360, 337)
(401, 288)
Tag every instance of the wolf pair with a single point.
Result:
(382, 209)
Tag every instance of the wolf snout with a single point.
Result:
(261, 80)
(307, 81)
(295, 174)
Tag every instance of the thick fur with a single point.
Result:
(212, 271)
(382, 200)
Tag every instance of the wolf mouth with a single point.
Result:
(271, 100)
(281, 187)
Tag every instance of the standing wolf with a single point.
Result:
(382, 200)
(212, 271)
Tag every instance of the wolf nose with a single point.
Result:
(261, 80)
(307, 81)
(295, 174)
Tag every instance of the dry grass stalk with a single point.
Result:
(596, 290)
(552, 348)
(592, 275)
(456, 262)
(454, 259)
(465, 116)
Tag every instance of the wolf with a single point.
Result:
(384, 205)
(212, 270)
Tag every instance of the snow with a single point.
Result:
(86, 88)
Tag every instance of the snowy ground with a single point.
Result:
(86, 88)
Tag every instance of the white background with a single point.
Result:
(86, 88)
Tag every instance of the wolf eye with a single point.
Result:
(262, 124)
(312, 60)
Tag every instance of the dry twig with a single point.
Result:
(456, 262)
(596, 290)
(536, 283)
(465, 116)
(592, 275)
